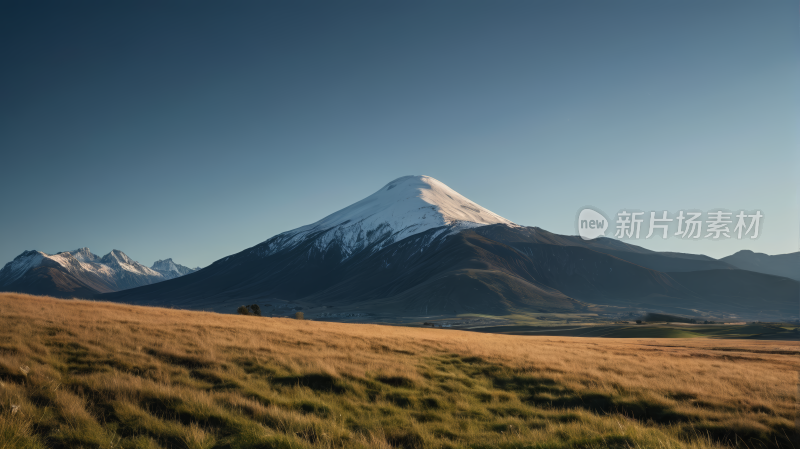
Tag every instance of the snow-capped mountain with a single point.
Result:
(406, 206)
(169, 268)
(416, 247)
(82, 273)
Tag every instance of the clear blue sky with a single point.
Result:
(193, 130)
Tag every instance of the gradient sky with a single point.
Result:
(194, 130)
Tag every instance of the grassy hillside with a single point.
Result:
(101, 375)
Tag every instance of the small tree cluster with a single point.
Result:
(298, 315)
(252, 309)
(243, 310)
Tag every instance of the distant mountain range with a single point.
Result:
(82, 274)
(168, 267)
(418, 248)
(786, 265)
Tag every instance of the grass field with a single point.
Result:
(101, 375)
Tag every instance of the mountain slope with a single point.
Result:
(743, 293)
(80, 273)
(786, 265)
(659, 261)
(416, 248)
(466, 272)
(366, 280)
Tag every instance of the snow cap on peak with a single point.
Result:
(411, 200)
(406, 206)
(21, 264)
(168, 265)
(116, 256)
(164, 265)
(29, 253)
(84, 255)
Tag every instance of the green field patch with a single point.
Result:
(652, 332)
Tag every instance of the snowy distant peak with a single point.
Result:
(84, 255)
(28, 254)
(118, 257)
(404, 207)
(163, 263)
(120, 261)
(20, 265)
(168, 266)
(115, 269)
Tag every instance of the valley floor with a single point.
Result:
(755, 331)
(98, 375)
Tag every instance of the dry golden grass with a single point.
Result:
(92, 374)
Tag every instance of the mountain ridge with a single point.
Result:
(79, 273)
(786, 265)
(411, 249)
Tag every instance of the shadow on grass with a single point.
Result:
(185, 361)
(219, 382)
(321, 410)
(408, 439)
(316, 382)
(545, 393)
(251, 366)
(782, 436)
(397, 381)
